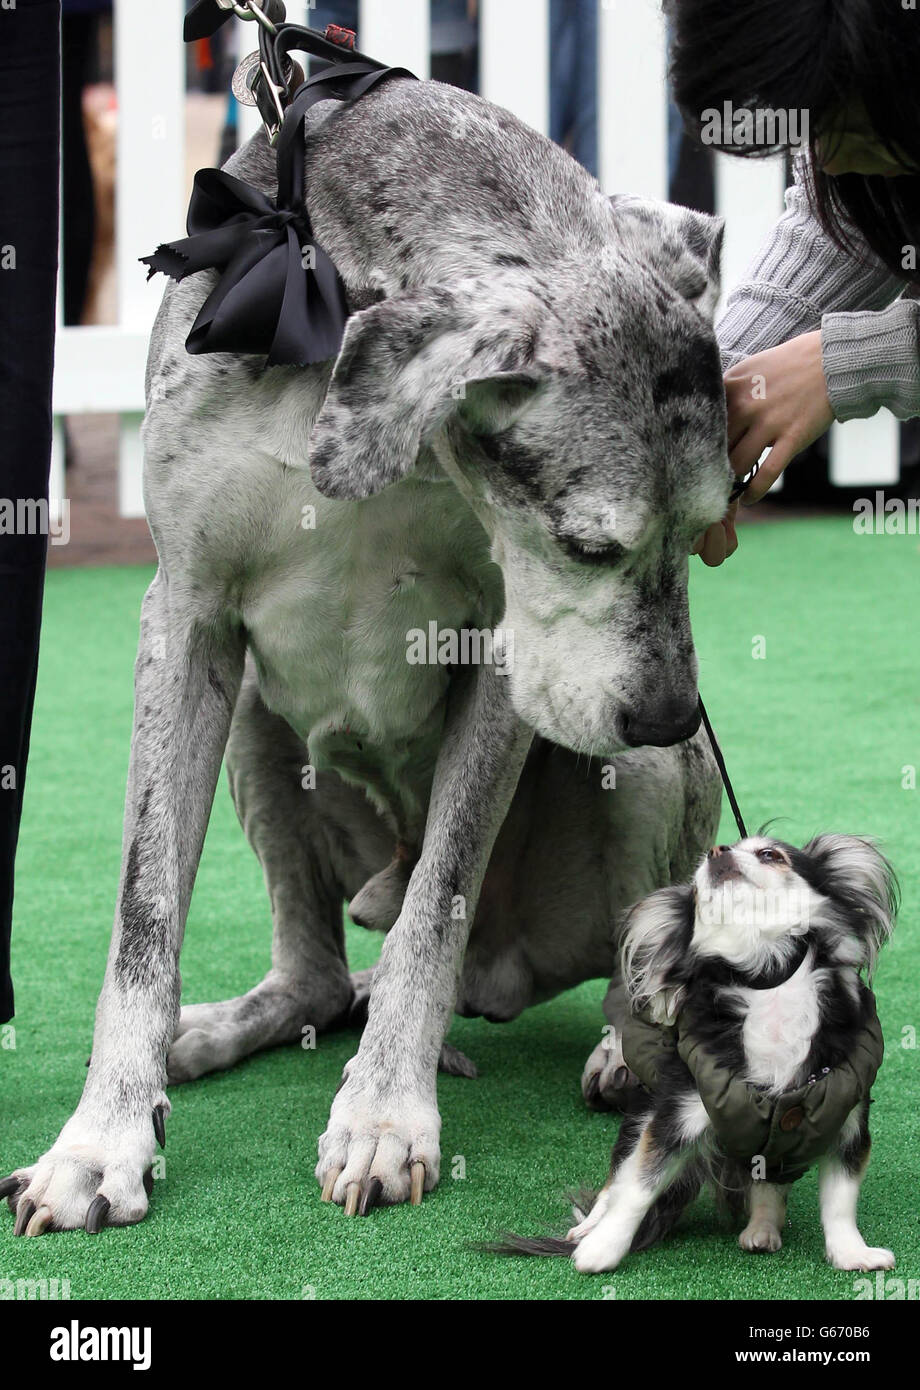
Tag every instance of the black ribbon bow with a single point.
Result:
(279, 293)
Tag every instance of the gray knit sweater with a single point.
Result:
(801, 282)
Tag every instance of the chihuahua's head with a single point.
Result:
(748, 907)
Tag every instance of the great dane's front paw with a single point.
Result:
(90, 1178)
(377, 1151)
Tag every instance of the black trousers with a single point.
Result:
(29, 159)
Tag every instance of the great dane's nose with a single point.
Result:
(662, 727)
(717, 850)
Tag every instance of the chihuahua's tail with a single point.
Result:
(658, 1221)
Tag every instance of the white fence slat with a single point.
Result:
(514, 57)
(130, 465)
(632, 98)
(56, 487)
(100, 367)
(150, 78)
(397, 32)
(749, 195)
(866, 452)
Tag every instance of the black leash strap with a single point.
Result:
(726, 780)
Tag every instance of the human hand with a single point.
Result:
(777, 400)
(721, 540)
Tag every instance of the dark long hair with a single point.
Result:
(816, 56)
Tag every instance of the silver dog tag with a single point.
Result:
(242, 79)
(246, 72)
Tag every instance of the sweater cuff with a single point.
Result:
(872, 360)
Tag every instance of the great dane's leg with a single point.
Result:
(308, 861)
(384, 1120)
(186, 681)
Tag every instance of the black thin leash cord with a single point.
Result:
(726, 780)
(741, 486)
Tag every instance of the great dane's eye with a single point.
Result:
(771, 856)
(609, 553)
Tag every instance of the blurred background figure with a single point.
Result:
(573, 78)
(87, 139)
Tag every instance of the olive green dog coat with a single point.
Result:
(789, 1131)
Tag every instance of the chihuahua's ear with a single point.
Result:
(655, 951)
(853, 872)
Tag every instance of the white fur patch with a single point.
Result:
(779, 1027)
(693, 1119)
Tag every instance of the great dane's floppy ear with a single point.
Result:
(406, 365)
(683, 246)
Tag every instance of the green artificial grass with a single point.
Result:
(817, 733)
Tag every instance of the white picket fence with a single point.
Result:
(102, 368)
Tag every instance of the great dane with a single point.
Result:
(524, 430)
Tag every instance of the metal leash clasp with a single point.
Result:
(268, 85)
(249, 10)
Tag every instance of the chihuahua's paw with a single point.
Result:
(760, 1239)
(378, 1151)
(861, 1257)
(602, 1249)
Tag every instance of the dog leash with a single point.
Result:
(723, 770)
(741, 486)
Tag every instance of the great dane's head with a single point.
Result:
(580, 409)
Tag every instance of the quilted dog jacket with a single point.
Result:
(790, 1131)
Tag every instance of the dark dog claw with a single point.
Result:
(148, 1181)
(370, 1197)
(98, 1211)
(159, 1126)
(8, 1185)
(593, 1092)
(620, 1078)
(24, 1213)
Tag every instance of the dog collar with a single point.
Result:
(279, 293)
(725, 976)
